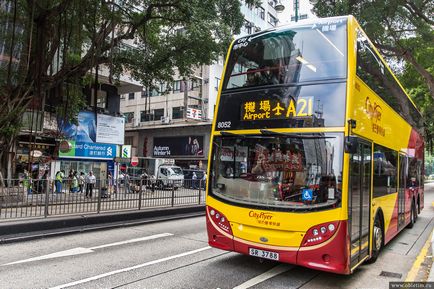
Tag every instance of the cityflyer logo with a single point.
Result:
(374, 112)
(260, 216)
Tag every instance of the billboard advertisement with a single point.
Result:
(101, 129)
(110, 129)
(178, 146)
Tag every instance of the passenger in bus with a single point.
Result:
(269, 75)
(253, 77)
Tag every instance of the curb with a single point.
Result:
(431, 273)
(25, 230)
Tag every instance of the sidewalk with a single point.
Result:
(28, 229)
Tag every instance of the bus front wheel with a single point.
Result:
(377, 241)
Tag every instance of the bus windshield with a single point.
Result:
(289, 55)
(279, 172)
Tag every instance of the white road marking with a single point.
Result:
(70, 252)
(79, 250)
(133, 241)
(129, 268)
(266, 275)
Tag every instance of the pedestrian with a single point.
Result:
(81, 182)
(74, 183)
(45, 179)
(27, 183)
(127, 183)
(90, 183)
(69, 180)
(194, 180)
(59, 181)
(204, 180)
(110, 182)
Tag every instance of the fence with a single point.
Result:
(44, 198)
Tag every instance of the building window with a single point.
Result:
(217, 83)
(129, 140)
(145, 93)
(101, 99)
(158, 113)
(144, 116)
(129, 117)
(131, 95)
(272, 20)
(195, 83)
(261, 12)
(176, 85)
(177, 112)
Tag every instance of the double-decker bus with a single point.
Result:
(317, 152)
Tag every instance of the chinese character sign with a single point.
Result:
(266, 109)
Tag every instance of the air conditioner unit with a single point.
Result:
(165, 119)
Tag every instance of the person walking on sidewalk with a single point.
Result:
(81, 182)
(194, 180)
(74, 183)
(59, 181)
(127, 183)
(27, 183)
(90, 183)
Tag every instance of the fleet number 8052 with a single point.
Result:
(224, 124)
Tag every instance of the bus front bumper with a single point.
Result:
(330, 256)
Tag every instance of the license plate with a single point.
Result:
(264, 254)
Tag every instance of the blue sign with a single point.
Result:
(307, 195)
(90, 150)
(95, 150)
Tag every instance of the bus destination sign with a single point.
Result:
(269, 109)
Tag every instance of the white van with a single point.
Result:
(169, 175)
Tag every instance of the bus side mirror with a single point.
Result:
(351, 144)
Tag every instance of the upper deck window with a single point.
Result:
(289, 55)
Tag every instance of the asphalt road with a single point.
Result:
(175, 254)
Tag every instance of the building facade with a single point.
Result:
(172, 120)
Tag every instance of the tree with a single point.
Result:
(402, 31)
(52, 45)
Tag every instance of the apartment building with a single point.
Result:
(174, 120)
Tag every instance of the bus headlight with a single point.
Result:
(331, 227)
(319, 233)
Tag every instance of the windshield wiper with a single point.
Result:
(293, 135)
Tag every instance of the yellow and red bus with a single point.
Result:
(317, 152)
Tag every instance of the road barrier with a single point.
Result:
(44, 198)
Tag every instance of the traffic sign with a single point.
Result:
(134, 161)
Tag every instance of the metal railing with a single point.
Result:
(45, 198)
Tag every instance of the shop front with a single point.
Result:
(33, 156)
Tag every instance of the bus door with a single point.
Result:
(403, 168)
(360, 200)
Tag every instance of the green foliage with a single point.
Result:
(402, 30)
(54, 42)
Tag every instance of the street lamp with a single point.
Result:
(279, 7)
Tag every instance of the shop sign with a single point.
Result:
(90, 151)
(194, 113)
(126, 151)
